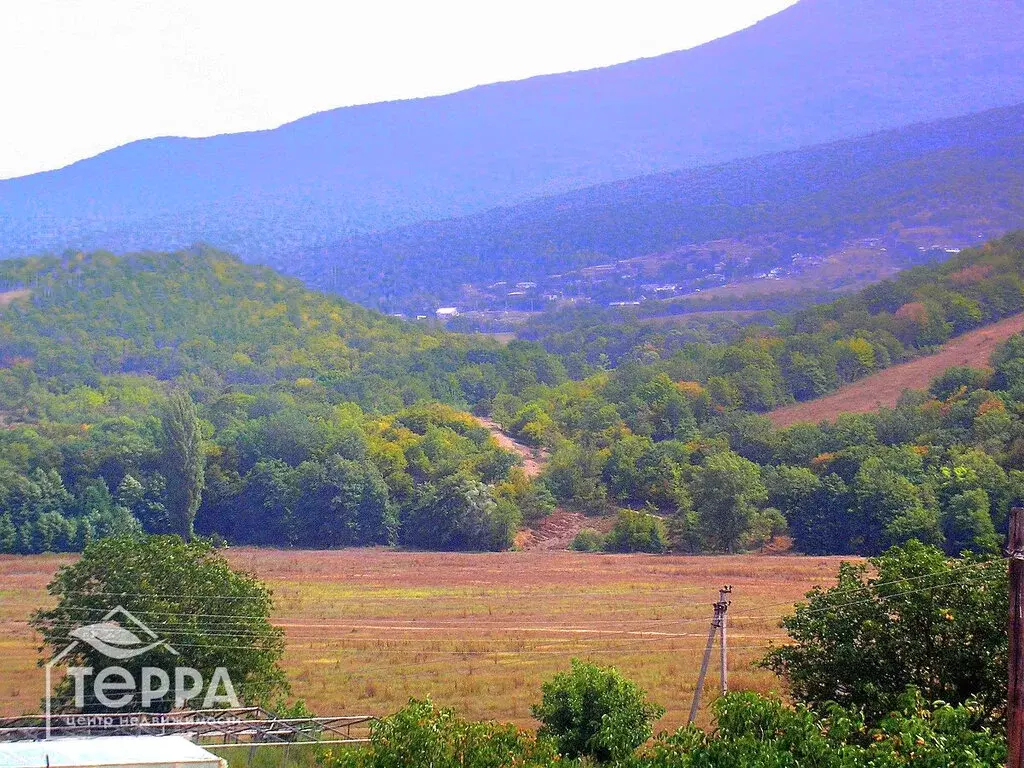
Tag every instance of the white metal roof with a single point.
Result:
(109, 752)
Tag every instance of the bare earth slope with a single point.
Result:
(534, 459)
(557, 530)
(884, 388)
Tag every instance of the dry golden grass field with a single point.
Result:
(368, 629)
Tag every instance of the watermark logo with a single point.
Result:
(121, 637)
(115, 641)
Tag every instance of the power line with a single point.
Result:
(861, 588)
(226, 630)
(669, 595)
(391, 623)
(805, 611)
(240, 616)
(571, 635)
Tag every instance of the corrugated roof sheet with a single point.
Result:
(108, 751)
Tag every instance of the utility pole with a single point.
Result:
(717, 628)
(723, 601)
(1015, 689)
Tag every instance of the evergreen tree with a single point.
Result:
(183, 462)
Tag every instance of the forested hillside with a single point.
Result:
(942, 182)
(673, 429)
(775, 358)
(323, 422)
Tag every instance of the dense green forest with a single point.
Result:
(324, 424)
(675, 430)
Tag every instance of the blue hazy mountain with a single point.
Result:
(955, 178)
(817, 72)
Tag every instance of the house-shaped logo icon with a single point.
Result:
(115, 639)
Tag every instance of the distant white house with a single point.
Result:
(446, 312)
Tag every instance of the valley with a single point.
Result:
(505, 421)
(830, 216)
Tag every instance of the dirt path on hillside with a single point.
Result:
(557, 530)
(884, 388)
(534, 459)
(7, 297)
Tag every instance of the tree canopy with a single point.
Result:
(204, 614)
(920, 620)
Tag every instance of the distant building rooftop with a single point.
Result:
(447, 311)
(109, 752)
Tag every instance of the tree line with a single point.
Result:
(316, 423)
(170, 392)
(666, 438)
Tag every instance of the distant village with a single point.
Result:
(707, 269)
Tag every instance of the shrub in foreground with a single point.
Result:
(424, 735)
(757, 732)
(595, 712)
(187, 591)
(921, 620)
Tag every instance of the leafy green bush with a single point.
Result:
(214, 615)
(595, 712)
(637, 532)
(922, 620)
(587, 540)
(424, 735)
(959, 378)
(757, 732)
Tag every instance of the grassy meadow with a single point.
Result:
(368, 629)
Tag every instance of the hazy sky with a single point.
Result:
(82, 76)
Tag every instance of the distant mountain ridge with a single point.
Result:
(819, 71)
(962, 176)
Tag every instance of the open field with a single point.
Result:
(885, 387)
(367, 629)
(844, 270)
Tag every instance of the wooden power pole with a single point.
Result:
(717, 628)
(1015, 690)
(723, 601)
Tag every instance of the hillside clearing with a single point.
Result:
(367, 629)
(534, 459)
(884, 388)
(6, 297)
(557, 530)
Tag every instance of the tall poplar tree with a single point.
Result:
(183, 462)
